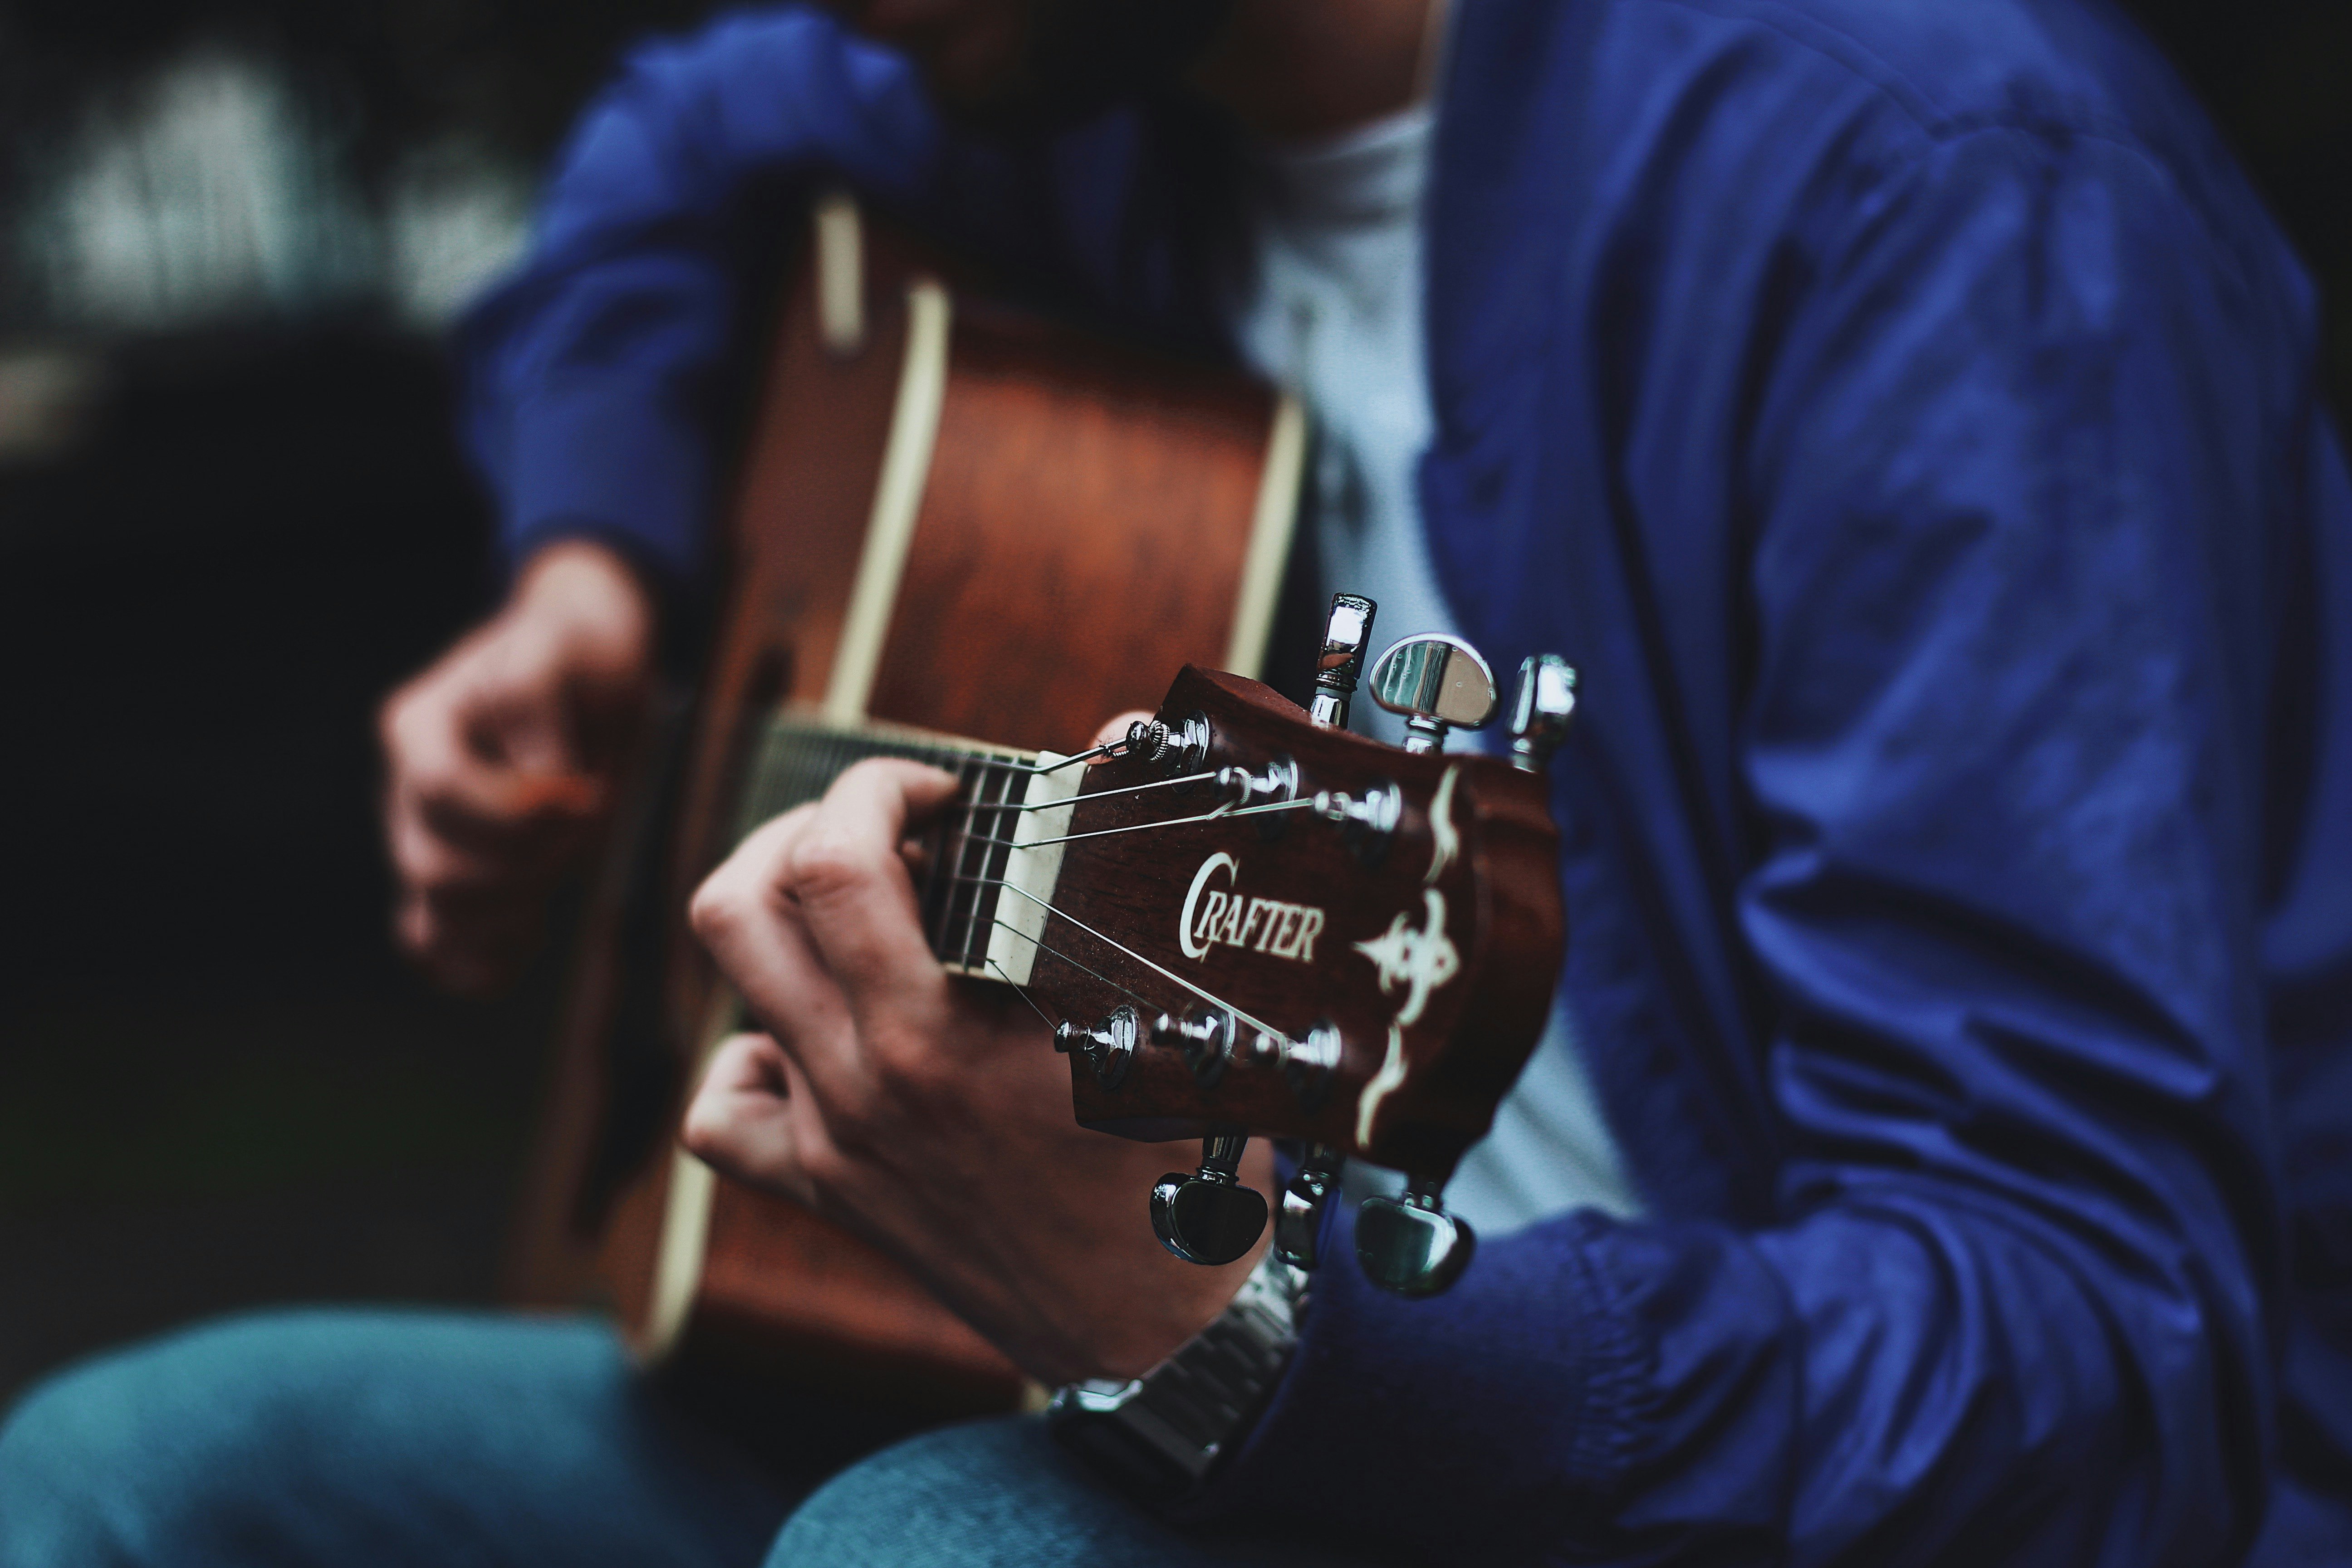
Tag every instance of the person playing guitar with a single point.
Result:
(1902, 416)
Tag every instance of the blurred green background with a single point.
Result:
(231, 516)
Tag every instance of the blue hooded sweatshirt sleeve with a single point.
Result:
(1904, 418)
(594, 376)
(600, 378)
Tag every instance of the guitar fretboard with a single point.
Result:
(966, 851)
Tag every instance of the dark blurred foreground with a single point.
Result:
(216, 1085)
(231, 516)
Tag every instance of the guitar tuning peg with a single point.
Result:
(1209, 1217)
(1346, 634)
(1435, 681)
(1298, 1224)
(1410, 1245)
(1108, 1046)
(1206, 1039)
(1539, 714)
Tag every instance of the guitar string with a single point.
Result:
(965, 830)
(973, 924)
(988, 782)
(1022, 992)
(992, 799)
(1223, 813)
(971, 762)
(984, 923)
(783, 735)
(995, 770)
(992, 859)
(1212, 999)
(1040, 944)
(1126, 991)
(954, 851)
(783, 738)
(1105, 794)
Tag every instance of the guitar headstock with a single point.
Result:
(1262, 925)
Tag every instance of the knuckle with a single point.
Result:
(908, 1066)
(703, 1132)
(826, 863)
(725, 905)
(711, 910)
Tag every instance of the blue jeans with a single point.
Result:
(354, 1438)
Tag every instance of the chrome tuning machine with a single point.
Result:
(1174, 748)
(1298, 1223)
(1278, 785)
(1209, 1216)
(1108, 1046)
(1347, 632)
(1437, 682)
(1540, 710)
(1368, 821)
(1205, 1037)
(1410, 1245)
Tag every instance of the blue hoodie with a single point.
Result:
(1904, 416)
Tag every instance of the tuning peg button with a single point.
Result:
(1174, 748)
(1206, 1039)
(1410, 1245)
(1540, 710)
(1209, 1217)
(1368, 823)
(1347, 632)
(1437, 682)
(1298, 1224)
(1108, 1046)
(1310, 1065)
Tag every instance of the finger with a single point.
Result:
(472, 920)
(845, 870)
(522, 816)
(754, 929)
(465, 790)
(469, 941)
(750, 1118)
(433, 865)
(517, 719)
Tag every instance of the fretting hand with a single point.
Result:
(929, 1113)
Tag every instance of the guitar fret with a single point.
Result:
(796, 760)
(996, 790)
(952, 924)
(951, 866)
(981, 785)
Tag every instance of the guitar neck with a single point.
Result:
(976, 849)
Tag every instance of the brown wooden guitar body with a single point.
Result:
(953, 516)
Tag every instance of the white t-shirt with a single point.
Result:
(1335, 316)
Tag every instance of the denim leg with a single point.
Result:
(352, 1438)
(1000, 1494)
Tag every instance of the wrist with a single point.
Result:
(1160, 1435)
(589, 598)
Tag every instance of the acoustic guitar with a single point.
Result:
(953, 516)
(1240, 919)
